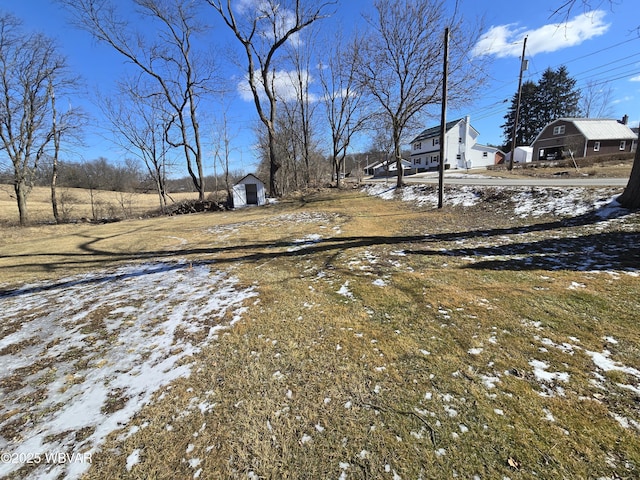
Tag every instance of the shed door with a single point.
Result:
(252, 193)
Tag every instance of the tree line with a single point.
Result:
(554, 96)
(101, 174)
(314, 92)
(385, 77)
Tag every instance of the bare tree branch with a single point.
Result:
(262, 33)
(169, 60)
(402, 67)
(31, 70)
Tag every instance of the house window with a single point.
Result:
(559, 130)
(596, 146)
(623, 144)
(417, 146)
(485, 154)
(436, 141)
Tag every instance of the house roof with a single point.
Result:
(599, 128)
(481, 146)
(372, 165)
(435, 131)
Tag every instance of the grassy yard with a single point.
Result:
(363, 338)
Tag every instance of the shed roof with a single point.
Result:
(247, 177)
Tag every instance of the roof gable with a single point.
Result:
(249, 177)
(435, 131)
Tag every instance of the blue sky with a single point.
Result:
(600, 46)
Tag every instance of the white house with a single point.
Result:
(461, 148)
(249, 190)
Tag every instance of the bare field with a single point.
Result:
(352, 334)
(75, 204)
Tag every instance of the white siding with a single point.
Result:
(240, 191)
(461, 149)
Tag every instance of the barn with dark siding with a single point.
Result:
(583, 137)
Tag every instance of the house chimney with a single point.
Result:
(467, 128)
(625, 120)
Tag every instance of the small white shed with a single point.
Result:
(249, 191)
(523, 155)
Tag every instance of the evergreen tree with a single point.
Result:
(557, 96)
(554, 96)
(525, 134)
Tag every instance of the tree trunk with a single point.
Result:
(398, 157)
(54, 198)
(198, 154)
(274, 165)
(93, 208)
(336, 166)
(630, 198)
(20, 188)
(161, 198)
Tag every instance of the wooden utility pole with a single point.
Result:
(443, 119)
(515, 121)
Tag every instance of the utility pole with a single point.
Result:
(443, 119)
(523, 67)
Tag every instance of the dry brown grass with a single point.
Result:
(603, 169)
(75, 204)
(426, 375)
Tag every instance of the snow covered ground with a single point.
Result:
(596, 233)
(79, 357)
(526, 201)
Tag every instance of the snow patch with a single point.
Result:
(164, 313)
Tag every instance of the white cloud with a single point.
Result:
(244, 6)
(506, 40)
(285, 84)
(273, 20)
(623, 99)
(635, 79)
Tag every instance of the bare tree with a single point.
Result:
(263, 28)
(138, 122)
(57, 134)
(179, 76)
(344, 103)
(289, 145)
(31, 70)
(300, 56)
(595, 100)
(222, 154)
(68, 124)
(402, 67)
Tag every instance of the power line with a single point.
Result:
(586, 55)
(488, 111)
(609, 63)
